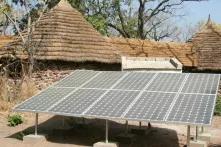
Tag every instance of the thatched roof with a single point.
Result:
(4, 41)
(64, 34)
(207, 43)
(147, 48)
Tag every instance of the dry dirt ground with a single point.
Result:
(93, 130)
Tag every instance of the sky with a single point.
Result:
(199, 11)
(194, 12)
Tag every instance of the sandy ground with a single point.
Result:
(76, 135)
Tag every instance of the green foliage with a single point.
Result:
(99, 23)
(15, 120)
(218, 106)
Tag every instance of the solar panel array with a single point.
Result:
(155, 97)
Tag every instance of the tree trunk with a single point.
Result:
(140, 30)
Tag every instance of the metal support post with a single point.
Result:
(149, 125)
(83, 120)
(196, 133)
(36, 124)
(106, 132)
(188, 136)
(202, 129)
(63, 121)
(126, 127)
(140, 124)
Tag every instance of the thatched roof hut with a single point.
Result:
(4, 41)
(64, 34)
(207, 44)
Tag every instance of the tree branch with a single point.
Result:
(121, 18)
(118, 29)
(16, 26)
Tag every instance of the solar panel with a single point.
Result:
(162, 97)
(44, 100)
(113, 104)
(134, 81)
(77, 102)
(192, 108)
(77, 78)
(167, 82)
(201, 83)
(151, 106)
(105, 80)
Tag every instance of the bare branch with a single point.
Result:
(16, 26)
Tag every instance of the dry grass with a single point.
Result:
(27, 89)
(5, 106)
(4, 89)
(11, 93)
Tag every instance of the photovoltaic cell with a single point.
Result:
(104, 80)
(77, 102)
(113, 104)
(135, 81)
(77, 78)
(151, 106)
(45, 99)
(192, 108)
(166, 82)
(161, 97)
(201, 83)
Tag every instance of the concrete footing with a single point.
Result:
(103, 144)
(198, 143)
(205, 137)
(34, 138)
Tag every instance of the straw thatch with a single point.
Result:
(147, 48)
(64, 34)
(4, 41)
(207, 43)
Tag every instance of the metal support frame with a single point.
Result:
(126, 127)
(106, 132)
(188, 136)
(36, 123)
(83, 120)
(196, 133)
(140, 125)
(202, 129)
(149, 125)
(63, 121)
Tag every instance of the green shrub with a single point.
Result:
(218, 106)
(15, 120)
